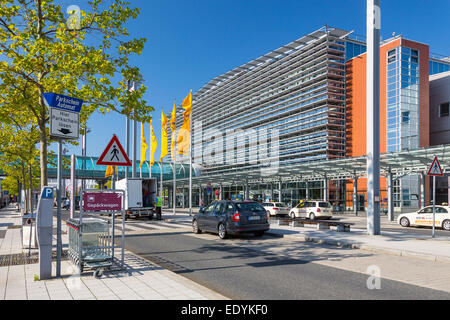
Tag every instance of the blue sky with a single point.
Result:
(191, 42)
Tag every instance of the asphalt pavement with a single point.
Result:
(243, 272)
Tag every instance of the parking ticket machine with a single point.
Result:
(44, 223)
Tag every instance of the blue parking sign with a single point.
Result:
(47, 193)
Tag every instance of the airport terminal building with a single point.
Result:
(306, 102)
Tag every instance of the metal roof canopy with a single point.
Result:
(398, 163)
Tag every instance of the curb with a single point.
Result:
(364, 247)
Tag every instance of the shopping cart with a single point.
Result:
(90, 244)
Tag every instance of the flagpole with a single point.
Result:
(140, 167)
(190, 159)
(150, 161)
(161, 160)
(161, 187)
(174, 164)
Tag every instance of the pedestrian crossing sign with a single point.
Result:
(435, 168)
(114, 155)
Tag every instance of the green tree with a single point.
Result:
(19, 154)
(84, 54)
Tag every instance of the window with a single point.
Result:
(230, 208)
(250, 206)
(405, 116)
(443, 110)
(219, 208)
(426, 210)
(209, 209)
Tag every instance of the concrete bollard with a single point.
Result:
(296, 224)
(283, 223)
(322, 226)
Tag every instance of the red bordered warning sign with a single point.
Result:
(114, 155)
(435, 169)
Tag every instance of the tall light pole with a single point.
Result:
(373, 117)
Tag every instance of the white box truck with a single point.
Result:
(140, 196)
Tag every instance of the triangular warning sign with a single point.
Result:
(435, 169)
(114, 155)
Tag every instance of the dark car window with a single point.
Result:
(250, 206)
(426, 210)
(230, 208)
(219, 208)
(441, 210)
(324, 204)
(210, 208)
(309, 204)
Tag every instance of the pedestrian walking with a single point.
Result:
(158, 208)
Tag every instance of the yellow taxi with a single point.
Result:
(424, 217)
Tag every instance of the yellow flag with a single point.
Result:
(164, 151)
(172, 127)
(109, 171)
(143, 145)
(153, 144)
(185, 130)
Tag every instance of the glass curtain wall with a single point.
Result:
(403, 116)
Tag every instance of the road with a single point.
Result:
(276, 268)
(245, 269)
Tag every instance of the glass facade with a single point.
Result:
(403, 116)
(402, 99)
(438, 67)
(353, 49)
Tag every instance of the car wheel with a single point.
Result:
(195, 227)
(292, 215)
(312, 216)
(446, 225)
(404, 222)
(259, 233)
(222, 231)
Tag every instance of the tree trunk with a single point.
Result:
(43, 143)
(30, 179)
(25, 190)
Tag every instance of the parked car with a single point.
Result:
(231, 218)
(276, 208)
(424, 217)
(312, 210)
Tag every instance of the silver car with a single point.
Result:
(276, 208)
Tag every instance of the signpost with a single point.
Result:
(434, 170)
(113, 155)
(64, 124)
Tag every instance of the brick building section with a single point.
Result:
(356, 108)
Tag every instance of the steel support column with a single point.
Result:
(355, 195)
(325, 188)
(422, 189)
(390, 194)
(373, 117)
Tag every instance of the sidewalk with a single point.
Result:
(393, 243)
(142, 279)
